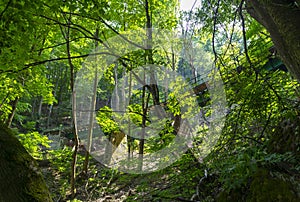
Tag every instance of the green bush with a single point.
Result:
(34, 143)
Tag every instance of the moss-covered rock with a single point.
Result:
(264, 187)
(286, 137)
(20, 178)
(233, 195)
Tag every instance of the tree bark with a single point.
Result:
(129, 138)
(20, 179)
(281, 19)
(66, 35)
(93, 107)
(13, 111)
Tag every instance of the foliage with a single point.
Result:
(258, 144)
(18, 166)
(60, 163)
(105, 120)
(35, 144)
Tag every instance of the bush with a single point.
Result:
(34, 143)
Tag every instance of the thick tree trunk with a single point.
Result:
(281, 18)
(20, 179)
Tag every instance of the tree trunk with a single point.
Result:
(20, 179)
(91, 124)
(93, 108)
(281, 19)
(114, 140)
(129, 138)
(66, 35)
(13, 111)
(40, 108)
(145, 102)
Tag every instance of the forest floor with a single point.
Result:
(185, 180)
(177, 182)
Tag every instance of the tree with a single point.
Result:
(281, 19)
(60, 35)
(18, 80)
(20, 178)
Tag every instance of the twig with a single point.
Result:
(245, 39)
(214, 32)
(265, 127)
(5, 9)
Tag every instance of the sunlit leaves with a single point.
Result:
(105, 120)
(34, 143)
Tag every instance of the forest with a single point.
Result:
(149, 100)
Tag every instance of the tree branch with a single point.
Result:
(27, 66)
(60, 44)
(214, 31)
(5, 9)
(107, 25)
(245, 39)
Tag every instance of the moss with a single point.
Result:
(38, 190)
(233, 195)
(286, 137)
(266, 188)
(19, 176)
(263, 188)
